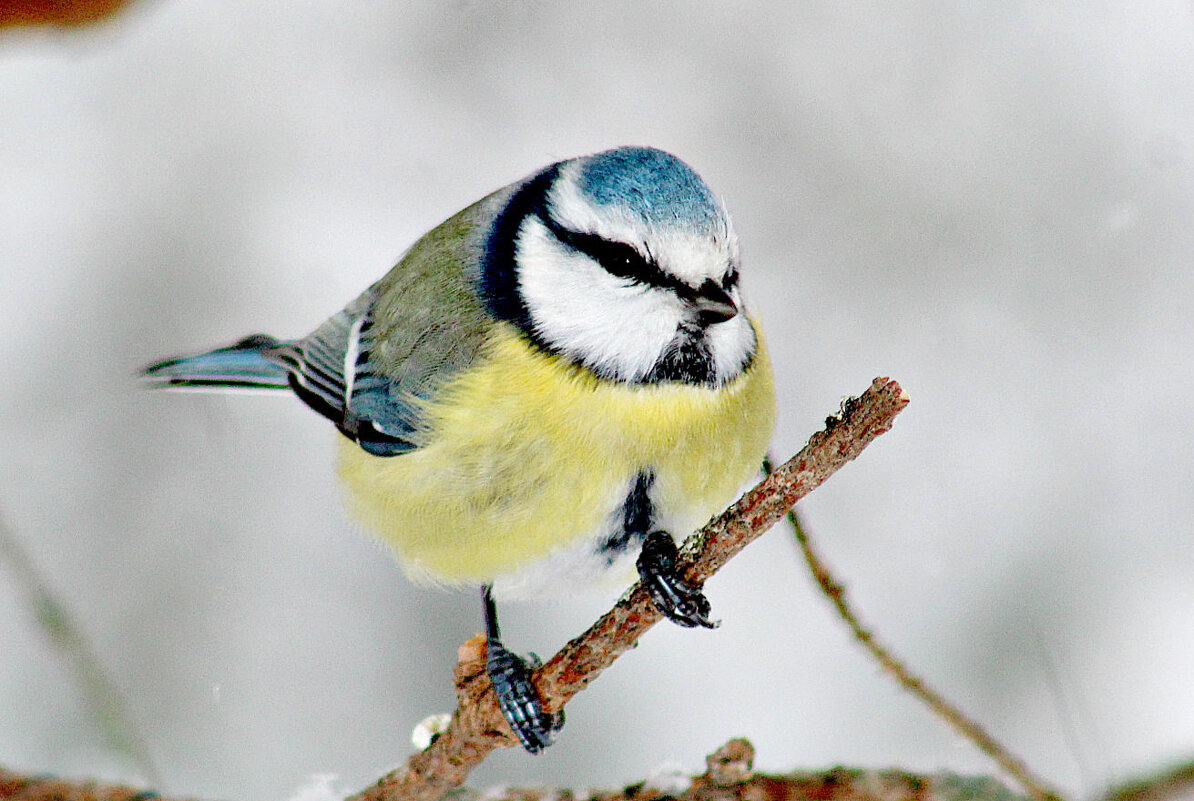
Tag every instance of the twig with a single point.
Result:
(1173, 783)
(100, 694)
(477, 727)
(18, 787)
(730, 776)
(939, 705)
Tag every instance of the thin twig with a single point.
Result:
(1173, 783)
(729, 776)
(103, 699)
(939, 705)
(477, 727)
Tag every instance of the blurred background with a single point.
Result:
(991, 203)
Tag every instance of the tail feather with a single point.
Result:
(245, 365)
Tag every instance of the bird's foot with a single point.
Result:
(518, 698)
(678, 600)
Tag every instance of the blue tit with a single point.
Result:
(546, 388)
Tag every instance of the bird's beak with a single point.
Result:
(713, 305)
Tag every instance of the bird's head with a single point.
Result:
(626, 263)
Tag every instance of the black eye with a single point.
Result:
(617, 258)
(731, 279)
(620, 259)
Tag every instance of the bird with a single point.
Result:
(546, 390)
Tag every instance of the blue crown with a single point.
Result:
(657, 185)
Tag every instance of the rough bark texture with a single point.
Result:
(729, 776)
(478, 727)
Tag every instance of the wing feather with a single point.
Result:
(373, 367)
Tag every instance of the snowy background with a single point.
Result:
(992, 203)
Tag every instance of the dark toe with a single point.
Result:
(679, 601)
(519, 700)
(682, 604)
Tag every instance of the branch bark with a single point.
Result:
(477, 726)
(729, 776)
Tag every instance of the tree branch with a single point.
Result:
(477, 727)
(938, 704)
(729, 776)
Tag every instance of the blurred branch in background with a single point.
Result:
(1170, 784)
(100, 695)
(897, 668)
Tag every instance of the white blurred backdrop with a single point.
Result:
(991, 203)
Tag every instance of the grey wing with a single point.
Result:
(333, 372)
(371, 367)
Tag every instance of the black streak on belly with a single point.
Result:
(637, 518)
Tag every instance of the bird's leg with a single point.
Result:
(511, 678)
(679, 601)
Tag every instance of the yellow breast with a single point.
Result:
(526, 454)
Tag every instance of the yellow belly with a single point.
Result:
(526, 455)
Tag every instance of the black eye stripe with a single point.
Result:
(617, 258)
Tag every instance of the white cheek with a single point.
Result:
(581, 310)
(730, 343)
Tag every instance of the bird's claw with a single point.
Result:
(518, 698)
(678, 600)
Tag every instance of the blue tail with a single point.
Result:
(245, 365)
